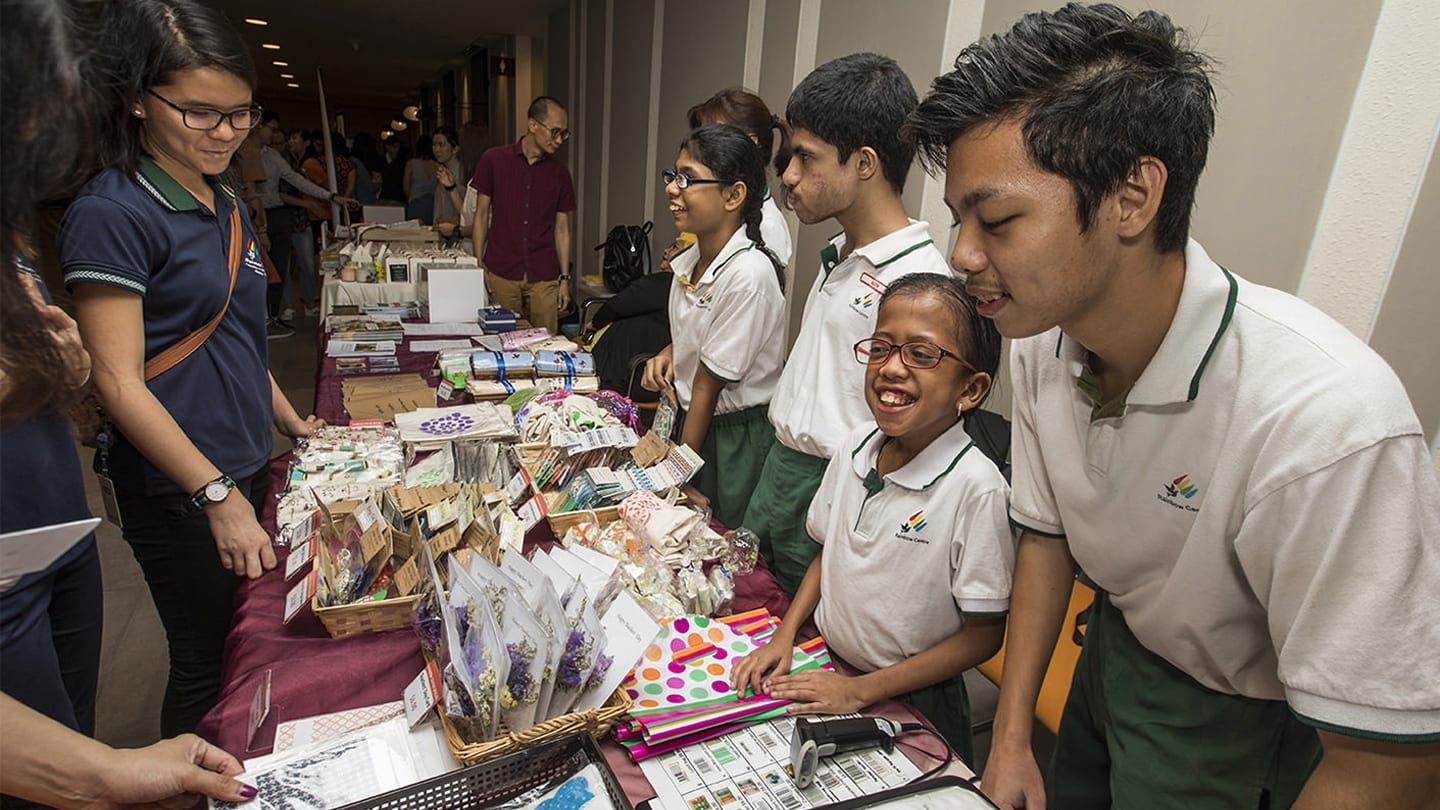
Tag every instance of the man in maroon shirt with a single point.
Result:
(522, 218)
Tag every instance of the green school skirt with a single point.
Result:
(777, 512)
(947, 706)
(734, 452)
(1138, 732)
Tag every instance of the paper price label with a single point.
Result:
(300, 556)
(372, 542)
(444, 391)
(259, 709)
(299, 596)
(407, 577)
(517, 488)
(444, 541)
(531, 513)
(368, 514)
(422, 694)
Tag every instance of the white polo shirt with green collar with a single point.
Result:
(821, 396)
(732, 319)
(1262, 507)
(908, 555)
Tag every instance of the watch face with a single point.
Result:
(216, 491)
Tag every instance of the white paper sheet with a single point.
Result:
(31, 550)
(332, 773)
(436, 329)
(419, 346)
(629, 631)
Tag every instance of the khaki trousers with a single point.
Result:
(535, 301)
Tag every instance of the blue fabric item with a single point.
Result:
(144, 233)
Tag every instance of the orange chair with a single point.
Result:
(1056, 686)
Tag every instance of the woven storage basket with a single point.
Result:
(595, 722)
(527, 456)
(365, 617)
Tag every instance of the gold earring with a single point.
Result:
(138, 113)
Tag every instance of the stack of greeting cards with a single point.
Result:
(681, 687)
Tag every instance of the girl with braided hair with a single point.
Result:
(726, 316)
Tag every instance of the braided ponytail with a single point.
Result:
(753, 215)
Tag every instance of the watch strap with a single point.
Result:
(200, 500)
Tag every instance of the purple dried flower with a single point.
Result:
(574, 661)
(427, 622)
(520, 687)
(602, 666)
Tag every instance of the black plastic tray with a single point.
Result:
(495, 780)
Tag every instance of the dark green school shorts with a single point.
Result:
(1139, 733)
(777, 512)
(734, 452)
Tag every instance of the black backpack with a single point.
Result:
(626, 255)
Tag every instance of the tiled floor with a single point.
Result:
(133, 659)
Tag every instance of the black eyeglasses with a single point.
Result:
(206, 119)
(916, 354)
(556, 133)
(683, 181)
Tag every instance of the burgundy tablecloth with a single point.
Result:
(311, 673)
(330, 398)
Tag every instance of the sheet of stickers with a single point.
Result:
(750, 770)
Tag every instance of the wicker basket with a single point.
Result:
(595, 722)
(365, 617)
(527, 456)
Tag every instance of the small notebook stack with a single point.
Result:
(497, 319)
(365, 328)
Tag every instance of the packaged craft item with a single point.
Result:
(347, 455)
(527, 645)
(479, 665)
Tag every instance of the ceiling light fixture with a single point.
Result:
(292, 84)
(398, 125)
(411, 113)
(278, 63)
(385, 133)
(270, 46)
(287, 75)
(256, 21)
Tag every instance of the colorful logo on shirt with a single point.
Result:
(911, 527)
(1177, 489)
(1182, 486)
(252, 258)
(865, 301)
(706, 300)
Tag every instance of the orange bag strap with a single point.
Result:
(171, 357)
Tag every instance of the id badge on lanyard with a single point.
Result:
(103, 442)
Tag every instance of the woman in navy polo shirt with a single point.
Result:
(144, 248)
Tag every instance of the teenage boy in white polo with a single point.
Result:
(1244, 480)
(848, 165)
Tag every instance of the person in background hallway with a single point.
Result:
(419, 183)
(521, 232)
(392, 171)
(449, 199)
(279, 218)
